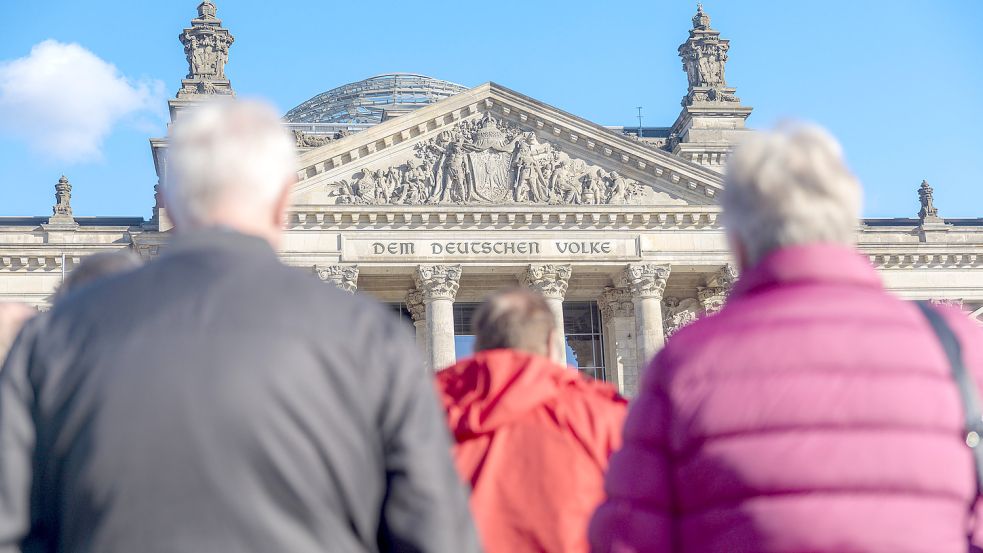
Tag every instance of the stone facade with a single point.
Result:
(444, 204)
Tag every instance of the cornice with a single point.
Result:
(503, 217)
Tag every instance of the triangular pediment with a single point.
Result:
(493, 146)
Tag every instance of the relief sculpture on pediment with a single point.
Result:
(487, 161)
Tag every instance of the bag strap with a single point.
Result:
(964, 381)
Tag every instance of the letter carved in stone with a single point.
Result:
(549, 280)
(438, 281)
(345, 277)
(646, 280)
(487, 161)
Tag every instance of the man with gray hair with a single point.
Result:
(217, 400)
(815, 411)
(533, 436)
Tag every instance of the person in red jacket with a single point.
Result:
(532, 437)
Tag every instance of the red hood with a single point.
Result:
(496, 387)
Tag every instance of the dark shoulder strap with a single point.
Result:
(964, 381)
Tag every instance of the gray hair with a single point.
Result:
(516, 318)
(790, 186)
(230, 154)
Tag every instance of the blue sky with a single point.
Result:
(898, 82)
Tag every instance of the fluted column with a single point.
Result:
(647, 282)
(552, 281)
(345, 277)
(418, 311)
(620, 353)
(714, 294)
(438, 286)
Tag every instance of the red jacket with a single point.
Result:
(533, 439)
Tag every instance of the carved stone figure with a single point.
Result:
(928, 211)
(63, 198)
(594, 189)
(455, 182)
(704, 57)
(617, 189)
(416, 182)
(530, 184)
(304, 140)
(484, 161)
(567, 188)
(206, 46)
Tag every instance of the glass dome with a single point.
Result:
(366, 102)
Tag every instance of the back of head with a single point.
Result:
(98, 266)
(517, 319)
(229, 163)
(788, 187)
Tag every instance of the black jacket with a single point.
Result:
(217, 400)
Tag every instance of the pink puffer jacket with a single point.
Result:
(814, 413)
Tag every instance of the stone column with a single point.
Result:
(647, 282)
(438, 286)
(620, 353)
(552, 281)
(345, 277)
(714, 294)
(418, 311)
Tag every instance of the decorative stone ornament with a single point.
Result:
(646, 280)
(486, 161)
(549, 280)
(704, 57)
(416, 306)
(678, 313)
(345, 277)
(61, 212)
(616, 302)
(206, 46)
(714, 294)
(438, 281)
(928, 212)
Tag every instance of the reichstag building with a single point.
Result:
(428, 195)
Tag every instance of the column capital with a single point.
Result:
(646, 280)
(616, 302)
(437, 281)
(415, 305)
(549, 280)
(714, 294)
(677, 313)
(345, 277)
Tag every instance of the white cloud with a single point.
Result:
(64, 100)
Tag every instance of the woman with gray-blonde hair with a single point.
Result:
(815, 412)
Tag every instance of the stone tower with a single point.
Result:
(712, 115)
